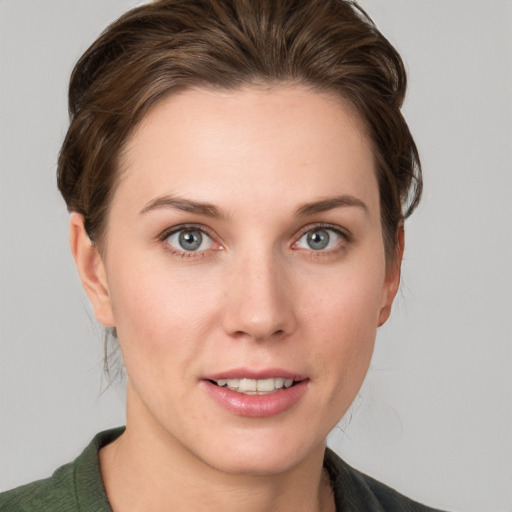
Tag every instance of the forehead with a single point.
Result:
(222, 145)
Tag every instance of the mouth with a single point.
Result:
(248, 386)
(256, 393)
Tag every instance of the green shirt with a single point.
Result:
(78, 487)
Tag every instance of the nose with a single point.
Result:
(259, 302)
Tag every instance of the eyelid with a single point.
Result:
(345, 234)
(184, 227)
(166, 233)
(342, 232)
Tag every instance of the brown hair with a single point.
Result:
(171, 45)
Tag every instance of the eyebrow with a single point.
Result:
(209, 210)
(329, 204)
(186, 205)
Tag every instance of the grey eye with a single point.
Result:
(189, 240)
(318, 239)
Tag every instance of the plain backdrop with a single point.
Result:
(434, 418)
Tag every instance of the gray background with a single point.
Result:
(434, 418)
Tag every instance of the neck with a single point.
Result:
(147, 469)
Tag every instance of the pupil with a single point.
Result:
(318, 240)
(190, 240)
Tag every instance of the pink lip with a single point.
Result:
(247, 373)
(256, 406)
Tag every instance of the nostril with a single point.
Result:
(259, 336)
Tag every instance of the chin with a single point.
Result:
(251, 465)
(259, 456)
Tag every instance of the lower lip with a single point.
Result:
(257, 406)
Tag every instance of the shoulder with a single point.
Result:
(55, 493)
(77, 486)
(356, 491)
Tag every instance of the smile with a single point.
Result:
(255, 386)
(256, 398)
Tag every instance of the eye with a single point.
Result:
(189, 240)
(320, 239)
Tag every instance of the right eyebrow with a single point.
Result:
(180, 203)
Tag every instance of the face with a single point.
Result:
(244, 270)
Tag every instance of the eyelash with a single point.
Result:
(184, 227)
(345, 235)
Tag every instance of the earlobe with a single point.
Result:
(91, 270)
(392, 281)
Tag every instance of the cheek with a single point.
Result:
(159, 311)
(343, 319)
(348, 297)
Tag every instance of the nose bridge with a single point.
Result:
(258, 300)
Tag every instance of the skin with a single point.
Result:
(255, 295)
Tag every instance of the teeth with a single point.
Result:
(232, 383)
(255, 386)
(247, 385)
(265, 385)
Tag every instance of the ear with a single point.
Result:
(392, 281)
(91, 270)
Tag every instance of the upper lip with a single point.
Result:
(247, 373)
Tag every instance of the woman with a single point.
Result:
(237, 174)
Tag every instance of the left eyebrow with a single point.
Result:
(330, 203)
